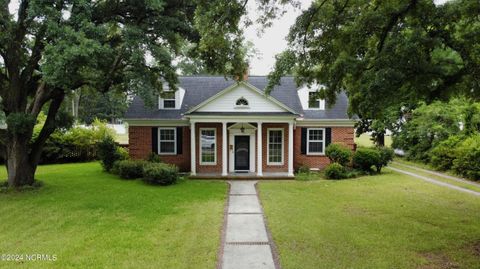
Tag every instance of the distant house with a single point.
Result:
(239, 129)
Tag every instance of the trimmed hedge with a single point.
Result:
(338, 154)
(160, 174)
(108, 152)
(335, 171)
(365, 158)
(386, 156)
(129, 169)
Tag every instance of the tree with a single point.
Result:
(385, 54)
(108, 106)
(50, 48)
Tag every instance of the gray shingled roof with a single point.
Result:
(200, 88)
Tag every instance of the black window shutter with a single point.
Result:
(304, 141)
(328, 136)
(179, 140)
(155, 140)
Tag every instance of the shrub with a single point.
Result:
(365, 158)
(386, 156)
(160, 174)
(108, 152)
(442, 156)
(304, 169)
(467, 162)
(129, 169)
(338, 154)
(154, 158)
(335, 171)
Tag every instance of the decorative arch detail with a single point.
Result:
(241, 102)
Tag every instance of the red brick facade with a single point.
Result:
(217, 168)
(140, 146)
(270, 167)
(341, 135)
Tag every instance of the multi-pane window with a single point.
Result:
(207, 146)
(241, 102)
(316, 141)
(275, 146)
(313, 100)
(166, 140)
(169, 99)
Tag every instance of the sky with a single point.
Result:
(273, 40)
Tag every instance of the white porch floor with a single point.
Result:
(249, 175)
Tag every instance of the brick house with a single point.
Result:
(238, 130)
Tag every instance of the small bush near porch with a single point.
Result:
(383, 221)
(92, 219)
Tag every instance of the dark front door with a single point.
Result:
(242, 152)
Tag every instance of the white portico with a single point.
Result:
(242, 131)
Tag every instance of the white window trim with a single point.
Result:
(242, 106)
(161, 103)
(268, 146)
(321, 103)
(323, 142)
(214, 149)
(174, 139)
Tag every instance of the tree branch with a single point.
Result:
(393, 21)
(41, 97)
(49, 126)
(35, 56)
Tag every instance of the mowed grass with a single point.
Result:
(91, 219)
(365, 140)
(466, 184)
(385, 221)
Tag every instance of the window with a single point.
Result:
(316, 141)
(169, 99)
(167, 141)
(241, 102)
(313, 100)
(275, 146)
(208, 146)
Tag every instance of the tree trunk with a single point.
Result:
(380, 139)
(21, 170)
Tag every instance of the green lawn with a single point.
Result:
(467, 184)
(91, 219)
(364, 140)
(385, 221)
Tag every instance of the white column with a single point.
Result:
(259, 150)
(224, 149)
(290, 148)
(193, 163)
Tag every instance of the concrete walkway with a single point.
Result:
(434, 181)
(246, 241)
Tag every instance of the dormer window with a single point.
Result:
(314, 102)
(169, 99)
(241, 102)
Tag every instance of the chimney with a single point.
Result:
(245, 74)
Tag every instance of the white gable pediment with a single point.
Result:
(256, 101)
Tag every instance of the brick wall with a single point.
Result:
(140, 146)
(265, 165)
(217, 168)
(342, 135)
(139, 141)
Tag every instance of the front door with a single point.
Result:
(242, 152)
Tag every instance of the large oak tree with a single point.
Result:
(49, 48)
(386, 54)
